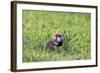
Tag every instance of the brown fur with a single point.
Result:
(49, 46)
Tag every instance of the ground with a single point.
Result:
(40, 26)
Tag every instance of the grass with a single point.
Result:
(40, 26)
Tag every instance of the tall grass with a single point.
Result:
(40, 26)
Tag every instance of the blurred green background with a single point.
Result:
(40, 26)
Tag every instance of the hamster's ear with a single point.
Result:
(54, 37)
(57, 34)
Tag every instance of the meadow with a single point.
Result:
(40, 26)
